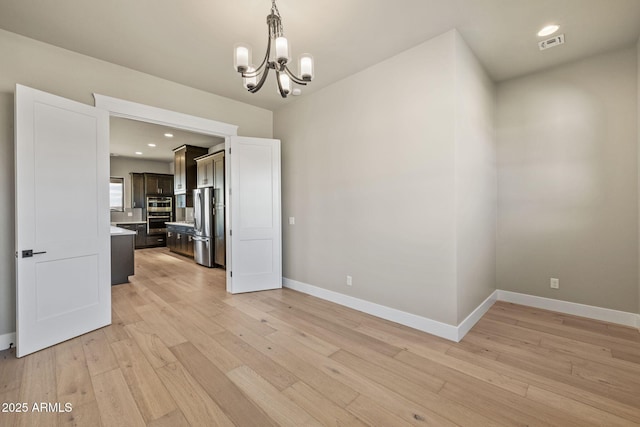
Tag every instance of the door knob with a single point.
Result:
(29, 253)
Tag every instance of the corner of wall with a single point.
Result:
(475, 180)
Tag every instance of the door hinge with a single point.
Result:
(231, 273)
(229, 150)
(230, 232)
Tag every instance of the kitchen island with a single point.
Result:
(122, 246)
(139, 227)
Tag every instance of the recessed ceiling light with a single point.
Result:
(168, 135)
(139, 153)
(151, 145)
(548, 30)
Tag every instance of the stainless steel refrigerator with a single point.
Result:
(208, 227)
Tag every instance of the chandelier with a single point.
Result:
(276, 58)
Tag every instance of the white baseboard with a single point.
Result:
(456, 333)
(443, 330)
(589, 311)
(473, 318)
(6, 340)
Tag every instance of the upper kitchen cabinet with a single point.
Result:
(186, 170)
(137, 190)
(211, 170)
(149, 184)
(159, 184)
(179, 170)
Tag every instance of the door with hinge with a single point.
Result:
(62, 219)
(255, 225)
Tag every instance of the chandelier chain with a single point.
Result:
(276, 12)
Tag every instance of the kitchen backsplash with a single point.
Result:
(129, 215)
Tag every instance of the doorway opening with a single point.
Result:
(143, 113)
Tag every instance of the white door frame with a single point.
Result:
(145, 113)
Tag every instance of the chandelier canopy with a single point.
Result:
(276, 58)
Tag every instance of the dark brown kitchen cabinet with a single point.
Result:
(149, 184)
(141, 235)
(154, 240)
(171, 238)
(180, 239)
(186, 171)
(137, 190)
(122, 258)
(158, 184)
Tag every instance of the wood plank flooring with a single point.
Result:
(183, 352)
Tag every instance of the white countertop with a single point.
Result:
(117, 231)
(184, 224)
(128, 222)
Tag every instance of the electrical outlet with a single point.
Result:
(292, 220)
(129, 213)
(349, 281)
(554, 283)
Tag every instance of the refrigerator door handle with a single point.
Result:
(198, 212)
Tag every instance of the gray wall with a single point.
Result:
(76, 77)
(368, 171)
(122, 166)
(568, 182)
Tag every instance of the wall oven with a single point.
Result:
(159, 212)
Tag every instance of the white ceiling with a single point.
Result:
(129, 136)
(191, 41)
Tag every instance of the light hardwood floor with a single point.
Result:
(183, 352)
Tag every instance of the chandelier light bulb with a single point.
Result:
(285, 83)
(282, 50)
(306, 67)
(242, 58)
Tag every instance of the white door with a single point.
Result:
(255, 226)
(62, 217)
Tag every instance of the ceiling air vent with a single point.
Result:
(552, 42)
